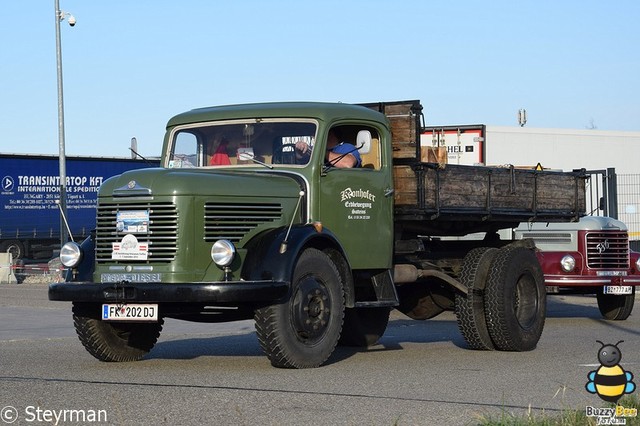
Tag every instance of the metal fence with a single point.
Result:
(628, 195)
(617, 196)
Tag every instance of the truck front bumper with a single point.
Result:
(231, 292)
(590, 280)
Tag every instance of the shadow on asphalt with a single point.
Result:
(223, 346)
(560, 306)
(400, 331)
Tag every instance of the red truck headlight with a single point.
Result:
(568, 263)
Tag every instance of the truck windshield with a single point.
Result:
(238, 143)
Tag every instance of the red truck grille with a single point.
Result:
(161, 237)
(607, 250)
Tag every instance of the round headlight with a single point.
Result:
(638, 264)
(70, 255)
(568, 263)
(223, 252)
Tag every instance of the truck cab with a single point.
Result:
(260, 154)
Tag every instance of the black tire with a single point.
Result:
(470, 309)
(515, 300)
(363, 327)
(113, 341)
(616, 307)
(15, 247)
(303, 331)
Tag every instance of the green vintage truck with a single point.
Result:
(247, 218)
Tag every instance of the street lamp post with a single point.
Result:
(60, 16)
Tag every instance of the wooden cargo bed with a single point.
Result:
(470, 198)
(431, 191)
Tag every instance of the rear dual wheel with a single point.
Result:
(506, 305)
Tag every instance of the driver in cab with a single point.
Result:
(339, 154)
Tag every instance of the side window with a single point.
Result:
(362, 142)
(185, 151)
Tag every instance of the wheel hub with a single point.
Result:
(311, 309)
(526, 301)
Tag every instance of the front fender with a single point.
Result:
(266, 260)
(550, 262)
(84, 271)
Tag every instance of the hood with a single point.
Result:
(586, 223)
(201, 182)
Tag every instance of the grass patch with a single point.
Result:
(566, 418)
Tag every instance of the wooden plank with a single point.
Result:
(405, 183)
(403, 133)
(404, 122)
(489, 189)
(434, 154)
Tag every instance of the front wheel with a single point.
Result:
(303, 331)
(113, 341)
(515, 300)
(616, 307)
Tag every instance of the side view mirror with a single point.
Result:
(363, 141)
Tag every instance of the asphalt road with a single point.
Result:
(420, 373)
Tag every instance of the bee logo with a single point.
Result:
(610, 381)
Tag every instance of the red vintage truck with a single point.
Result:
(591, 256)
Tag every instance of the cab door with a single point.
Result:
(356, 204)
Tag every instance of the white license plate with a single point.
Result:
(618, 289)
(129, 312)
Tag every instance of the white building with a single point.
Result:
(564, 149)
(560, 149)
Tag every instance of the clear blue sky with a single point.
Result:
(131, 65)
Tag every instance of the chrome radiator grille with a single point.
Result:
(607, 250)
(161, 237)
(232, 221)
(549, 237)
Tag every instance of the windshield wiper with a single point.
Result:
(245, 156)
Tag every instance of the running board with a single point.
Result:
(379, 304)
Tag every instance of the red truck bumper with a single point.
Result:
(590, 280)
